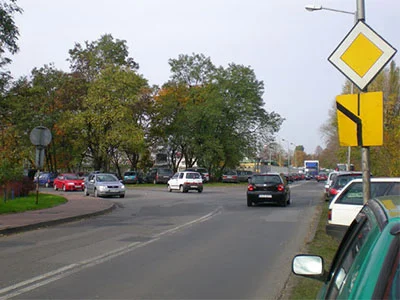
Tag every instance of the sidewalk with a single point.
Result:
(77, 207)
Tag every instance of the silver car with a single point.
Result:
(104, 185)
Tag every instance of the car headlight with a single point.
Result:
(122, 187)
(102, 188)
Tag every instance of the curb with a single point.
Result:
(12, 230)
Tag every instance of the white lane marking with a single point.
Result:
(44, 279)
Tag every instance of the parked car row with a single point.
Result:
(337, 180)
(236, 176)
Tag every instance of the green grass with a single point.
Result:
(323, 245)
(22, 204)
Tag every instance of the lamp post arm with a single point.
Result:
(338, 10)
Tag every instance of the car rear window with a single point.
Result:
(354, 193)
(130, 174)
(342, 180)
(165, 171)
(266, 179)
(394, 190)
(193, 175)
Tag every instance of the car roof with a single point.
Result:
(379, 179)
(264, 174)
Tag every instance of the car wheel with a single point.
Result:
(122, 195)
(284, 202)
(154, 181)
(55, 187)
(64, 188)
(181, 188)
(95, 193)
(249, 203)
(169, 188)
(46, 184)
(85, 191)
(200, 190)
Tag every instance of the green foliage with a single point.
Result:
(8, 37)
(9, 170)
(213, 116)
(90, 59)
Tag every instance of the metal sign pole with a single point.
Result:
(365, 153)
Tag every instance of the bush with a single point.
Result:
(16, 188)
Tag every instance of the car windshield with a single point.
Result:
(106, 178)
(130, 174)
(266, 179)
(71, 177)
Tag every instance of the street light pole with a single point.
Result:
(288, 159)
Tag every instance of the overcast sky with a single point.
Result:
(285, 45)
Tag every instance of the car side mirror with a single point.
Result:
(311, 266)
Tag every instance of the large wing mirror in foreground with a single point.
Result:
(311, 266)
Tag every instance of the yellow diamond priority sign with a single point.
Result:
(361, 55)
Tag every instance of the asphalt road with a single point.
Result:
(160, 245)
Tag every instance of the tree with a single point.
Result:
(106, 124)
(213, 116)
(8, 38)
(115, 96)
(89, 60)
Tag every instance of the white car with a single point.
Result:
(185, 181)
(345, 206)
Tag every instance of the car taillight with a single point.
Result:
(333, 191)
(330, 215)
(281, 187)
(250, 187)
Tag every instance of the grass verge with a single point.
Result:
(22, 204)
(323, 245)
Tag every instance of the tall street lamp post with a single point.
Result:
(288, 159)
(312, 8)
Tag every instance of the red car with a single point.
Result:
(321, 177)
(68, 182)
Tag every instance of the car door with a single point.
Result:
(90, 184)
(345, 270)
(173, 182)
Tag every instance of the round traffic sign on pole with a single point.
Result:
(40, 136)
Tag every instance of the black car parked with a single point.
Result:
(159, 175)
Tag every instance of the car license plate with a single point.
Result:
(193, 186)
(264, 196)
